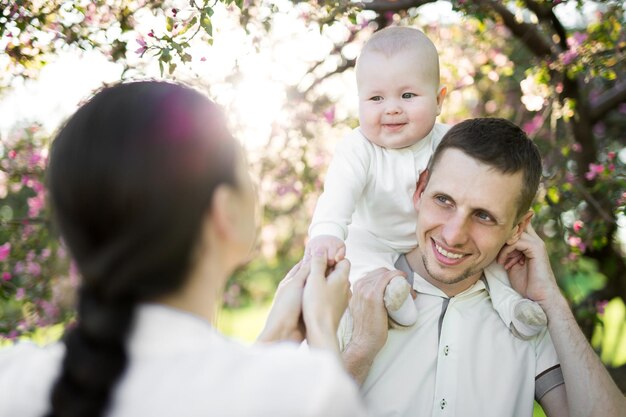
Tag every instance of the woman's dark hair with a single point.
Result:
(131, 177)
(501, 145)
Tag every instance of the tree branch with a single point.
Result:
(607, 102)
(527, 33)
(382, 6)
(545, 13)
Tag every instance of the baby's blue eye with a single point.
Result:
(376, 98)
(408, 95)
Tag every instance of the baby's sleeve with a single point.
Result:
(343, 186)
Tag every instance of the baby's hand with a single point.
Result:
(334, 248)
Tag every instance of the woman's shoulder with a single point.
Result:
(27, 372)
(310, 381)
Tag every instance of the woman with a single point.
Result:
(151, 195)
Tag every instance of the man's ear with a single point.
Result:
(443, 90)
(520, 227)
(420, 186)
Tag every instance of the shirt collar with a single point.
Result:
(423, 286)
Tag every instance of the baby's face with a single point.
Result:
(399, 98)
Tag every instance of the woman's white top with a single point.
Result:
(179, 365)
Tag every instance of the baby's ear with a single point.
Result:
(443, 90)
(520, 227)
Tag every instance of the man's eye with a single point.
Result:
(408, 95)
(484, 216)
(442, 199)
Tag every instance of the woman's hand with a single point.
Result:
(284, 321)
(324, 301)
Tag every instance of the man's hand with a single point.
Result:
(333, 247)
(528, 267)
(370, 323)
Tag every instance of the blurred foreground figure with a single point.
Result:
(152, 196)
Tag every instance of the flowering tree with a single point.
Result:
(34, 269)
(554, 67)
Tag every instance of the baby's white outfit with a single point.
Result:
(368, 203)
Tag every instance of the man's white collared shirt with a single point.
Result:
(459, 359)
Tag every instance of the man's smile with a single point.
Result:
(445, 256)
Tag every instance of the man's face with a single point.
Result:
(398, 99)
(466, 213)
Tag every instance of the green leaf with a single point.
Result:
(172, 68)
(161, 67)
(207, 25)
(553, 195)
(189, 25)
(169, 23)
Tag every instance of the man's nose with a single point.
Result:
(455, 231)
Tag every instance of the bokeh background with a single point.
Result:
(283, 70)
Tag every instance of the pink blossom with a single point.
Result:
(576, 147)
(594, 170)
(601, 306)
(12, 154)
(611, 155)
(578, 225)
(531, 127)
(611, 167)
(142, 45)
(35, 204)
(20, 294)
(49, 309)
(329, 115)
(203, 59)
(33, 268)
(574, 241)
(6, 276)
(578, 38)
(5, 250)
(34, 160)
(568, 56)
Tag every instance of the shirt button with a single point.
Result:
(443, 403)
(446, 350)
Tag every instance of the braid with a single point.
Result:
(95, 357)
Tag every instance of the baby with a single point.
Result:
(366, 211)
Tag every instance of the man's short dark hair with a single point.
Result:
(501, 145)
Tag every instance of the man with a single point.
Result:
(460, 359)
